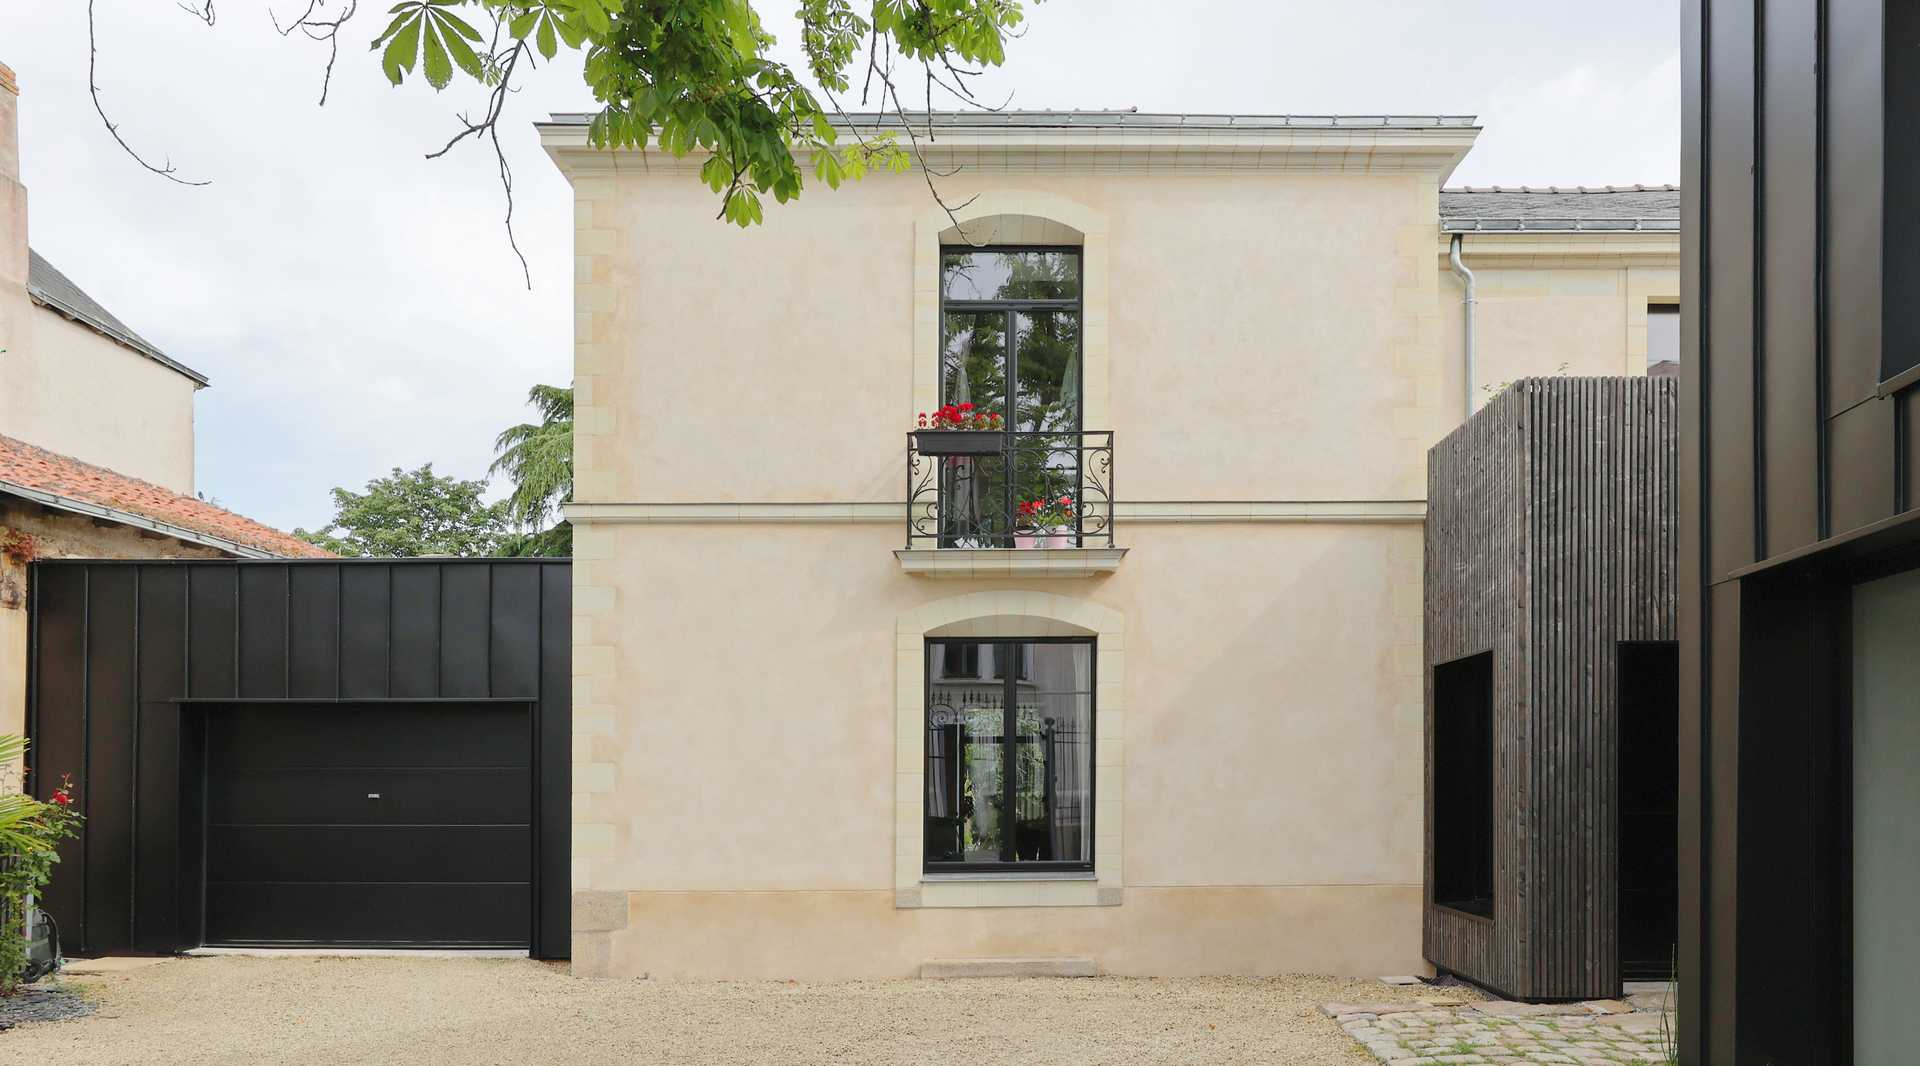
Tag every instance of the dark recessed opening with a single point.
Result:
(1463, 784)
(1649, 808)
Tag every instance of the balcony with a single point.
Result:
(999, 504)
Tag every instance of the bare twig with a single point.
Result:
(93, 89)
(490, 125)
(203, 11)
(319, 29)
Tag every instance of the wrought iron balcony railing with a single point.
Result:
(991, 489)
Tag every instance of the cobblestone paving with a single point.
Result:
(1598, 1033)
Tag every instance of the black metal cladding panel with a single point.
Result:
(332, 735)
(1908, 421)
(513, 653)
(58, 718)
(163, 672)
(1692, 522)
(263, 632)
(553, 752)
(465, 631)
(213, 620)
(1729, 312)
(112, 735)
(1900, 199)
(413, 668)
(345, 855)
(365, 631)
(472, 914)
(1861, 443)
(1854, 169)
(313, 632)
(1789, 255)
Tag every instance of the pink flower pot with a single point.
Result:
(1043, 540)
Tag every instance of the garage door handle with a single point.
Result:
(373, 795)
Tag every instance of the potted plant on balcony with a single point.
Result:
(1046, 523)
(959, 429)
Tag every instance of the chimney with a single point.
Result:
(13, 195)
(9, 125)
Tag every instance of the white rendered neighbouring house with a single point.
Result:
(844, 707)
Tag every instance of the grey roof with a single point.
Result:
(49, 287)
(1556, 209)
(1128, 118)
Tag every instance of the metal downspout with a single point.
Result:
(1465, 275)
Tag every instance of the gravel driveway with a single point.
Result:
(471, 1011)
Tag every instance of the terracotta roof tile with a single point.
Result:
(60, 475)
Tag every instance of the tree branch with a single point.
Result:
(490, 125)
(93, 89)
(319, 29)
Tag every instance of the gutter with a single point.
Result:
(1466, 276)
(128, 518)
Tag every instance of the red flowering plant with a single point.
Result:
(30, 834)
(1046, 513)
(960, 416)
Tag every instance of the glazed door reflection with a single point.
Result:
(1886, 817)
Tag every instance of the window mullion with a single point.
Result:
(1009, 723)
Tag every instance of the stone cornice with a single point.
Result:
(1433, 151)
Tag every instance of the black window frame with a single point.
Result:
(1010, 710)
(1010, 309)
(1465, 786)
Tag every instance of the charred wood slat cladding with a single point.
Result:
(228, 725)
(1550, 589)
(1800, 357)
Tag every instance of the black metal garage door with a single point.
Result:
(369, 824)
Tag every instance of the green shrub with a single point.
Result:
(30, 834)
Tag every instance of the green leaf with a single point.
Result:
(402, 50)
(522, 24)
(457, 46)
(545, 40)
(439, 69)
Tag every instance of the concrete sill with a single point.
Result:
(1009, 562)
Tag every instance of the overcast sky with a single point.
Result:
(356, 306)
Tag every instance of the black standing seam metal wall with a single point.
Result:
(121, 650)
(1550, 540)
(1798, 459)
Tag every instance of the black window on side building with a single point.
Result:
(1463, 784)
(1009, 755)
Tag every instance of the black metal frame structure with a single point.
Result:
(1800, 465)
(1077, 464)
(128, 658)
(1010, 709)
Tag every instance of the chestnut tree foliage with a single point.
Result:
(688, 75)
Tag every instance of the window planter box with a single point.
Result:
(959, 441)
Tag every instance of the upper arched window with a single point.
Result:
(1011, 333)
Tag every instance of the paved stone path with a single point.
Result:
(1597, 1033)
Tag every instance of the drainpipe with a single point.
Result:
(1460, 270)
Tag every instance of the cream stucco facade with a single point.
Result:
(73, 391)
(1268, 338)
(1557, 303)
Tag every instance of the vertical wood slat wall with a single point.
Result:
(116, 647)
(1551, 537)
